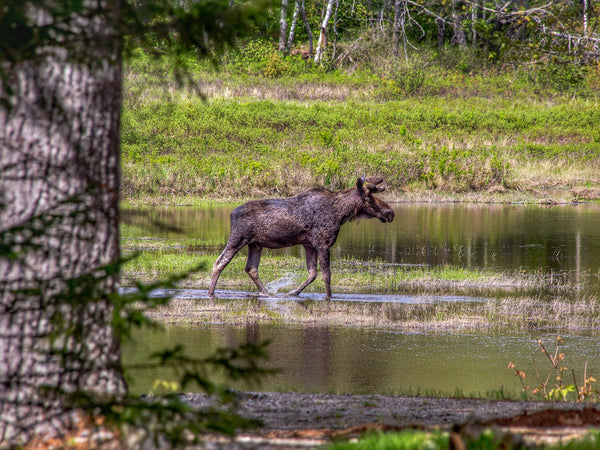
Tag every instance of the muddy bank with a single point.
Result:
(293, 420)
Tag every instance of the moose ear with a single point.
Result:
(359, 186)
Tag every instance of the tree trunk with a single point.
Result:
(59, 184)
(440, 33)
(585, 17)
(307, 26)
(474, 17)
(397, 28)
(322, 42)
(335, 30)
(459, 32)
(288, 46)
(283, 25)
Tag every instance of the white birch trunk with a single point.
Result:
(290, 40)
(322, 42)
(283, 25)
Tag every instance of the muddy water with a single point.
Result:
(355, 360)
(562, 240)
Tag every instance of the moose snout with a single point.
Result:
(388, 216)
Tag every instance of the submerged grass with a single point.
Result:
(349, 276)
(510, 313)
(449, 297)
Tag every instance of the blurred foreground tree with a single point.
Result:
(60, 102)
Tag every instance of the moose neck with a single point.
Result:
(347, 204)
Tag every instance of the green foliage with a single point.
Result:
(558, 75)
(402, 79)
(485, 439)
(405, 440)
(421, 126)
(261, 58)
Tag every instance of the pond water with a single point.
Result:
(369, 361)
(563, 239)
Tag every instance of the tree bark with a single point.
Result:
(474, 18)
(397, 28)
(283, 25)
(459, 32)
(440, 33)
(292, 31)
(585, 17)
(59, 184)
(307, 26)
(322, 42)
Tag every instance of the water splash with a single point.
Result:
(289, 279)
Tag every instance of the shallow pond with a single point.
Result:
(562, 240)
(366, 360)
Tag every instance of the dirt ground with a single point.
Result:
(298, 420)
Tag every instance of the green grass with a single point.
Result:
(488, 439)
(258, 136)
(405, 440)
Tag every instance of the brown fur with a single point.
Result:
(312, 219)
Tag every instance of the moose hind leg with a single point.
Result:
(254, 252)
(325, 271)
(311, 265)
(226, 256)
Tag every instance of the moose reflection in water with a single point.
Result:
(312, 219)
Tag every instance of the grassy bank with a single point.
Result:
(488, 135)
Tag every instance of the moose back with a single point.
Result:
(312, 219)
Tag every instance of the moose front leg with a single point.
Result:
(311, 265)
(233, 246)
(325, 270)
(254, 252)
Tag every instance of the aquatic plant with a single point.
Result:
(553, 386)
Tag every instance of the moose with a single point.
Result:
(312, 219)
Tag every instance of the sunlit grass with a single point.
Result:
(479, 137)
(404, 440)
(485, 438)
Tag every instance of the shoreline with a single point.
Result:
(533, 195)
(293, 420)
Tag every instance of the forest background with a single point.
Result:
(471, 100)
